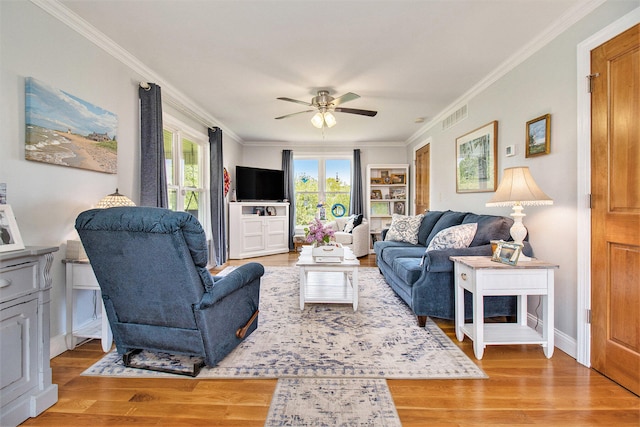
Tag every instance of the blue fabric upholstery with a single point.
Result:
(158, 294)
(428, 288)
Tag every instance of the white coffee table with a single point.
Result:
(328, 283)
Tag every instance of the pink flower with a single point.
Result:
(317, 232)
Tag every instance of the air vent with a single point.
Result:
(454, 118)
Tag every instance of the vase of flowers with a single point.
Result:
(322, 238)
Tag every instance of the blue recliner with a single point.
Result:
(157, 292)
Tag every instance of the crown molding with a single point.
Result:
(324, 144)
(560, 25)
(170, 94)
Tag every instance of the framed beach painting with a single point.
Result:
(476, 162)
(10, 239)
(62, 129)
(538, 136)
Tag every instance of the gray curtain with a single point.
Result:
(289, 192)
(153, 175)
(218, 226)
(356, 205)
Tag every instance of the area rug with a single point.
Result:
(332, 402)
(379, 340)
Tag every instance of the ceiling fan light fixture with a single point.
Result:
(329, 119)
(317, 120)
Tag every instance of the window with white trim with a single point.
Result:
(321, 181)
(186, 153)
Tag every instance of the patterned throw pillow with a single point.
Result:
(456, 237)
(348, 227)
(404, 228)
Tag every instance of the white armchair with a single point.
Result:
(358, 240)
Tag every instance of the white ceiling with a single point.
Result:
(406, 59)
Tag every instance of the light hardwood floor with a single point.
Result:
(523, 388)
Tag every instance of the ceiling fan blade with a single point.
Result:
(368, 113)
(349, 96)
(294, 114)
(294, 100)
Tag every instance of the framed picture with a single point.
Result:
(399, 208)
(538, 136)
(476, 161)
(10, 239)
(398, 178)
(398, 193)
(386, 178)
(380, 208)
(376, 194)
(64, 130)
(376, 180)
(507, 252)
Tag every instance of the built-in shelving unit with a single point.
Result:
(387, 193)
(258, 229)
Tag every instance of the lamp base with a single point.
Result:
(518, 230)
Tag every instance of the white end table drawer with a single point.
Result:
(18, 280)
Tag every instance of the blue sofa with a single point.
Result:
(424, 280)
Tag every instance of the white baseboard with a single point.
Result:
(561, 340)
(57, 346)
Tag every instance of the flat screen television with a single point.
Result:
(259, 184)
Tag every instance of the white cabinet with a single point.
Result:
(387, 193)
(83, 292)
(25, 372)
(258, 228)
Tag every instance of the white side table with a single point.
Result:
(80, 277)
(483, 277)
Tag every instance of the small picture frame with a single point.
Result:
(376, 194)
(398, 178)
(386, 178)
(538, 141)
(399, 208)
(377, 181)
(10, 239)
(398, 193)
(507, 252)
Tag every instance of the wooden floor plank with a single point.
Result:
(524, 388)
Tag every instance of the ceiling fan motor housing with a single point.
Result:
(323, 100)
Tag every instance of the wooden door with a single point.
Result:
(423, 156)
(615, 227)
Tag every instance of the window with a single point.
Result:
(320, 180)
(185, 152)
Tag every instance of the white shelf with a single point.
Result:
(92, 329)
(506, 333)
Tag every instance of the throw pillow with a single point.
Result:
(456, 237)
(353, 222)
(349, 226)
(404, 228)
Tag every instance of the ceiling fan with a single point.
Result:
(325, 105)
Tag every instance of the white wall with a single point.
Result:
(544, 83)
(46, 198)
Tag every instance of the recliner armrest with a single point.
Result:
(241, 276)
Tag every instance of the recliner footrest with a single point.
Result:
(174, 364)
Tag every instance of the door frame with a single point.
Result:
(583, 344)
(412, 187)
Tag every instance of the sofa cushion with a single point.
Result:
(490, 227)
(448, 219)
(390, 254)
(404, 228)
(456, 237)
(407, 269)
(429, 220)
(343, 238)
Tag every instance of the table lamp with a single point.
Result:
(113, 200)
(518, 189)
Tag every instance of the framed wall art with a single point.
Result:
(62, 129)
(10, 239)
(538, 136)
(476, 161)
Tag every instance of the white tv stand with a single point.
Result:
(252, 234)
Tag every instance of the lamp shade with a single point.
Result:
(317, 120)
(329, 119)
(518, 188)
(114, 200)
